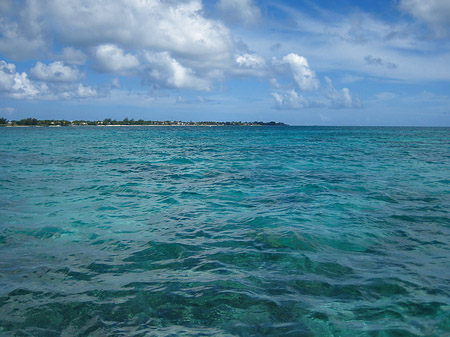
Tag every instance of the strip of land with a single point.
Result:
(127, 122)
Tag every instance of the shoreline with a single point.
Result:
(26, 122)
(175, 125)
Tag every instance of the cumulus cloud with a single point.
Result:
(171, 44)
(290, 100)
(19, 85)
(22, 34)
(249, 65)
(306, 80)
(240, 11)
(74, 56)
(111, 58)
(303, 75)
(165, 71)
(250, 60)
(17, 42)
(434, 13)
(340, 99)
(55, 72)
(177, 27)
(76, 91)
(201, 47)
(84, 91)
(14, 84)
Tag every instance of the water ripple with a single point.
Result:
(224, 231)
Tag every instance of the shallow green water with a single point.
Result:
(225, 231)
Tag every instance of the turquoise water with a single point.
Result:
(224, 231)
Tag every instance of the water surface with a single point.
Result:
(224, 231)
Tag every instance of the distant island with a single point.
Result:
(126, 122)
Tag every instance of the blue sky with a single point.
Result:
(299, 62)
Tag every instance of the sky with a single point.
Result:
(348, 62)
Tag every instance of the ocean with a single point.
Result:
(224, 231)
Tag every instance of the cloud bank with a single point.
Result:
(171, 46)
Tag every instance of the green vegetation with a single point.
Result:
(126, 121)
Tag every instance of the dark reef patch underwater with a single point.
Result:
(224, 231)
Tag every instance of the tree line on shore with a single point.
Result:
(108, 121)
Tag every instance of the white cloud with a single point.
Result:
(202, 47)
(22, 34)
(7, 75)
(250, 60)
(306, 80)
(340, 99)
(242, 11)
(19, 86)
(15, 85)
(303, 75)
(435, 13)
(69, 91)
(329, 97)
(177, 27)
(84, 91)
(55, 72)
(111, 58)
(17, 42)
(406, 53)
(289, 100)
(74, 56)
(165, 71)
(249, 65)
